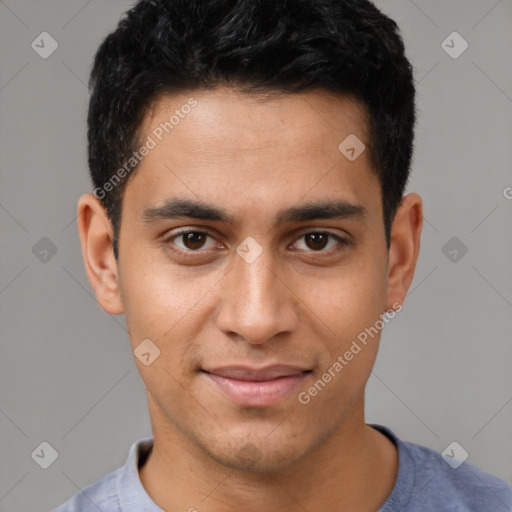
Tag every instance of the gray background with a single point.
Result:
(67, 376)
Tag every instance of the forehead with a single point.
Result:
(252, 153)
(223, 115)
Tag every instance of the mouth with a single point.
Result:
(256, 388)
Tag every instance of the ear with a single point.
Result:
(96, 235)
(404, 248)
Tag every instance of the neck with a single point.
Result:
(354, 469)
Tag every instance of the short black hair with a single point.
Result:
(346, 47)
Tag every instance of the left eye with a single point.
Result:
(317, 241)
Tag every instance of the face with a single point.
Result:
(284, 263)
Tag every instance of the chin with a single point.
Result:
(258, 456)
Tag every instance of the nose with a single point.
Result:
(257, 302)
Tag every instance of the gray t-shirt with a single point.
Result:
(425, 482)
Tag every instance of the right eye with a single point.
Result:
(191, 240)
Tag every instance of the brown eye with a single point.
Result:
(190, 240)
(194, 240)
(317, 241)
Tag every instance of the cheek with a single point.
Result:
(347, 300)
(161, 307)
(350, 306)
(155, 294)
(169, 305)
(350, 303)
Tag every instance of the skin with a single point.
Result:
(297, 303)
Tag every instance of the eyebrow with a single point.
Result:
(326, 209)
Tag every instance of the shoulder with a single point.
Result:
(100, 495)
(443, 484)
(119, 490)
(427, 480)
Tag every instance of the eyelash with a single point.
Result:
(342, 243)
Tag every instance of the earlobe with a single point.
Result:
(95, 230)
(404, 248)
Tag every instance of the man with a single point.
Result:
(249, 160)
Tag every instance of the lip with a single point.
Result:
(239, 372)
(256, 387)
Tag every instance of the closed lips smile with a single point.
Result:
(256, 388)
